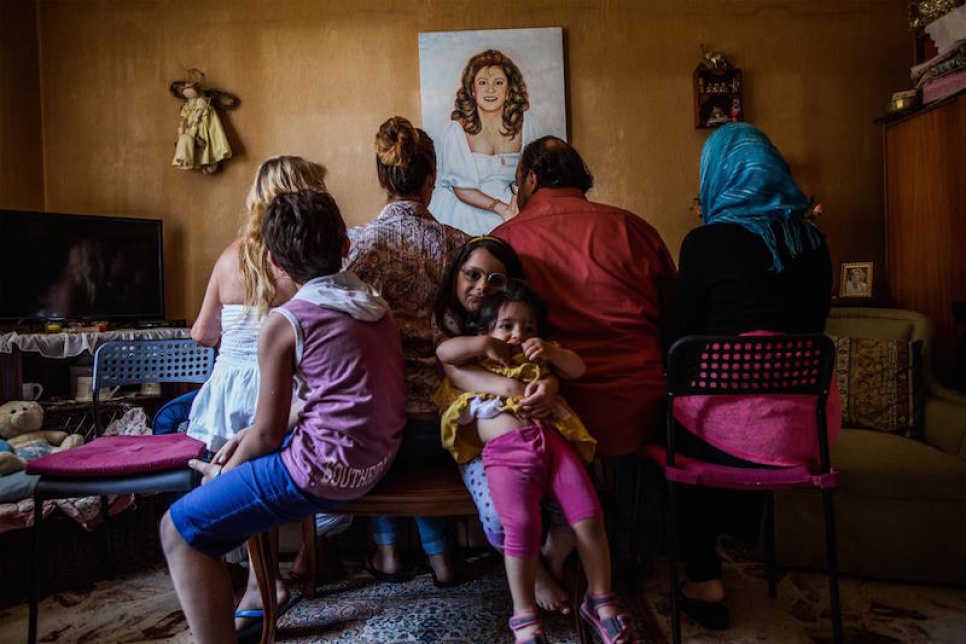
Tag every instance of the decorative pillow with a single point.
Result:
(173, 415)
(880, 382)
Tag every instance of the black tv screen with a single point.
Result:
(79, 267)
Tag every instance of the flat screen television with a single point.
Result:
(80, 267)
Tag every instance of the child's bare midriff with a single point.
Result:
(490, 428)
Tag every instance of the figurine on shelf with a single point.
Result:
(202, 143)
(714, 59)
(717, 117)
(735, 110)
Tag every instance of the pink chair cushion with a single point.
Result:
(119, 456)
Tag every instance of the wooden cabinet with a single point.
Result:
(925, 183)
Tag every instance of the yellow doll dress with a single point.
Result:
(463, 441)
(201, 137)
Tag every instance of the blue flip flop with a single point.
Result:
(255, 630)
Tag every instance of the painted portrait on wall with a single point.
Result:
(485, 96)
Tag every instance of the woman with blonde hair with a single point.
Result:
(403, 253)
(242, 289)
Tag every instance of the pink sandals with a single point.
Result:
(618, 629)
(525, 620)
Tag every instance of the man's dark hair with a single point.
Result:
(305, 233)
(556, 163)
(516, 290)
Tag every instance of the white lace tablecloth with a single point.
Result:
(70, 344)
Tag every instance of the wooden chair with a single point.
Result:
(435, 491)
(421, 491)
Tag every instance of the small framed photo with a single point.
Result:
(856, 281)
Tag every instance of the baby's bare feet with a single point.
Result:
(549, 593)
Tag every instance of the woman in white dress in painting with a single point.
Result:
(482, 145)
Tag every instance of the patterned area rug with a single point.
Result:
(143, 608)
(363, 610)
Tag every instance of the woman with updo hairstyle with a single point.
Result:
(490, 125)
(403, 253)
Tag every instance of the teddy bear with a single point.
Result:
(22, 438)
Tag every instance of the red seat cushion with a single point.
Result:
(119, 456)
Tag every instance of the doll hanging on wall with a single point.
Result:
(202, 143)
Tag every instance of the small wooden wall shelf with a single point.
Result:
(717, 96)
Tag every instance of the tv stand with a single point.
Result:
(161, 324)
(66, 344)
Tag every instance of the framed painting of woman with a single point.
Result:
(485, 96)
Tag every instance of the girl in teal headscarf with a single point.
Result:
(745, 181)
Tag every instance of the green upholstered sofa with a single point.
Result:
(900, 510)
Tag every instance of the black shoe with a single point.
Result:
(455, 564)
(711, 615)
(452, 583)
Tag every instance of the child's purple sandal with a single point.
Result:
(618, 629)
(525, 620)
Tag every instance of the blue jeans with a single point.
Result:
(251, 498)
(420, 444)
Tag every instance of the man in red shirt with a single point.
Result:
(608, 281)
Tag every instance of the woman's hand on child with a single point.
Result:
(540, 397)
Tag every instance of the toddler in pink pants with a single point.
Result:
(526, 459)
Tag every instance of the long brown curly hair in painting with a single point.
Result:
(517, 100)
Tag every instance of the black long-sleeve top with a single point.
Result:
(725, 286)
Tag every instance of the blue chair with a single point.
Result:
(118, 363)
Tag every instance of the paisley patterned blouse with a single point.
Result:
(403, 253)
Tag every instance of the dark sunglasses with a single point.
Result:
(496, 280)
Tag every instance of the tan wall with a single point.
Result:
(21, 143)
(317, 77)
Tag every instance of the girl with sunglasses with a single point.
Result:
(482, 267)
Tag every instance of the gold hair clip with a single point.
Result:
(483, 237)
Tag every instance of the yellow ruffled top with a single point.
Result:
(463, 441)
